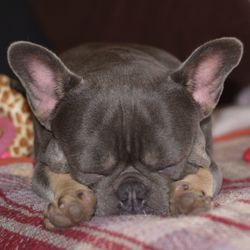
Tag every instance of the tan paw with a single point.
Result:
(185, 200)
(69, 209)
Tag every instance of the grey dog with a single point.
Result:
(123, 128)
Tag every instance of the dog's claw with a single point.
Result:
(70, 209)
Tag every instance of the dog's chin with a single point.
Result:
(113, 207)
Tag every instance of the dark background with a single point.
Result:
(178, 26)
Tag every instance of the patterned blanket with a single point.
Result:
(227, 226)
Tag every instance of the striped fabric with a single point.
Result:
(225, 227)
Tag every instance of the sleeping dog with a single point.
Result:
(123, 129)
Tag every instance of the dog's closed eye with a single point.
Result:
(164, 169)
(90, 179)
(170, 170)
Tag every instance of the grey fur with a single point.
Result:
(122, 111)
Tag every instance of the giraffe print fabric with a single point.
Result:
(14, 110)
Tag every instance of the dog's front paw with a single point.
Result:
(186, 200)
(72, 207)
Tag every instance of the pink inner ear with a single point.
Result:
(205, 79)
(43, 85)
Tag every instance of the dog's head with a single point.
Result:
(128, 125)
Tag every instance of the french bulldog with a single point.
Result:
(123, 128)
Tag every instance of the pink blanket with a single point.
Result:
(225, 227)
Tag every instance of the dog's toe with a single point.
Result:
(70, 209)
(192, 202)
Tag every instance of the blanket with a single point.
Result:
(227, 226)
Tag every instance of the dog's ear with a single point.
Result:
(206, 69)
(44, 76)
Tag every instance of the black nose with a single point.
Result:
(132, 196)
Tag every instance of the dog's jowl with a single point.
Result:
(123, 129)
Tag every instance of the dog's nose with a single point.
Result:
(132, 196)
